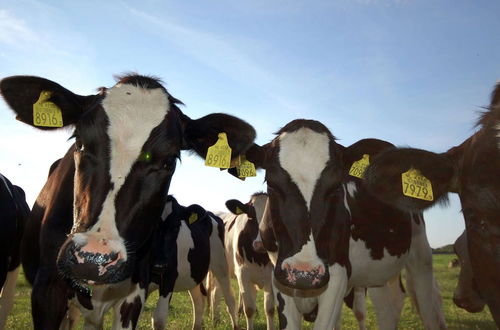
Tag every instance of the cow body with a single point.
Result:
(252, 269)
(470, 170)
(95, 217)
(326, 234)
(189, 243)
(13, 215)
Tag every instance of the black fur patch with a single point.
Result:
(281, 307)
(130, 312)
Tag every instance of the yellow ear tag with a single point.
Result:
(358, 168)
(246, 169)
(238, 211)
(193, 217)
(416, 185)
(219, 155)
(46, 113)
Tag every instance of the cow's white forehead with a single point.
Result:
(304, 154)
(133, 112)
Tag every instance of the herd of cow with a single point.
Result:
(336, 222)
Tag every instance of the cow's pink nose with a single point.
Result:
(258, 246)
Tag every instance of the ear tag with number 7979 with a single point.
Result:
(358, 168)
(416, 185)
(46, 113)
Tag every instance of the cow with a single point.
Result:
(250, 261)
(470, 170)
(251, 268)
(466, 295)
(93, 222)
(326, 234)
(189, 242)
(14, 213)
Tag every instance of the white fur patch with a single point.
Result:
(133, 112)
(306, 255)
(351, 188)
(185, 243)
(167, 210)
(369, 272)
(304, 154)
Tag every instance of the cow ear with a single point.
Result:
(258, 155)
(42, 103)
(202, 133)
(357, 157)
(410, 179)
(236, 207)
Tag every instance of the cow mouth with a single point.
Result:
(83, 269)
(294, 292)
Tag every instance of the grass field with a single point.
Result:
(180, 316)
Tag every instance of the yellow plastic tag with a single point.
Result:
(238, 211)
(46, 113)
(219, 155)
(416, 185)
(358, 168)
(193, 217)
(246, 169)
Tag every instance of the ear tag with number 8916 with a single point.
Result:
(46, 113)
(416, 185)
(219, 155)
(358, 168)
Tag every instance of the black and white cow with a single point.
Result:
(252, 269)
(14, 213)
(189, 242)
(326, 234)
(99, 208)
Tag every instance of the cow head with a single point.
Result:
(127, 140)
(254, 210)
(306, 218)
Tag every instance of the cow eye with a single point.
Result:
(145, 156)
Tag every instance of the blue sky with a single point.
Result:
(414, 73)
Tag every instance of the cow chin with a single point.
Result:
(83, 268)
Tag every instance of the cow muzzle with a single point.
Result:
(302, 275)
(470, 304)
(86, 259)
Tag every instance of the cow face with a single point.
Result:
(127, 140)
(254, 210)
(303, 172)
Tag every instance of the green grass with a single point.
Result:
(180, 316)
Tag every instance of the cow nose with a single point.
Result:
(93, 261)
(302, 275)
(258, 246)
(468, 304)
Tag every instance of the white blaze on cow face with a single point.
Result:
(133, 112)
(303, 155)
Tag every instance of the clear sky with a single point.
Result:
(415, 73)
